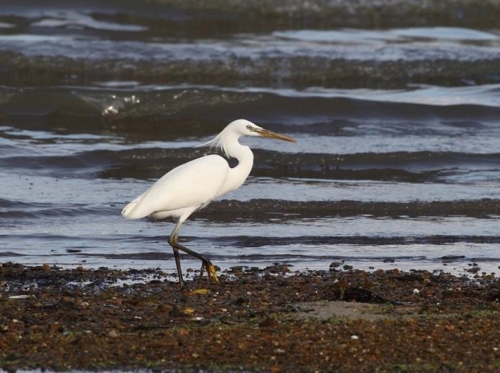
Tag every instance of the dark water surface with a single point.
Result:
(397, 163)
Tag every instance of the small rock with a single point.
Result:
(268, 323)
(113, 334)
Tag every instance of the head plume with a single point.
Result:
(233, 130)
(216, 143)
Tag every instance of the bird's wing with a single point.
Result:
(192, 184)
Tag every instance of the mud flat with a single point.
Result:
(270, 320)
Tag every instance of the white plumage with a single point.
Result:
(188, 186)
(193, 185)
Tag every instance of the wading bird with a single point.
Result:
(193, 185)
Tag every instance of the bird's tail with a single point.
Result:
(129, 211)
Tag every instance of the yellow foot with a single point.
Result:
(212, 273)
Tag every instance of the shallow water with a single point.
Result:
(99, 107)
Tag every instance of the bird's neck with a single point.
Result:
(238, 174)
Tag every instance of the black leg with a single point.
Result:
(206, 263)
(178, 265)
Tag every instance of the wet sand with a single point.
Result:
(271, 320)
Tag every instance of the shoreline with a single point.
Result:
(256, 320)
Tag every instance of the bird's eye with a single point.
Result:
(249, 127)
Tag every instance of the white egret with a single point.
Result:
(193, 185)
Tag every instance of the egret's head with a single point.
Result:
(246, 128)
(242, 127)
